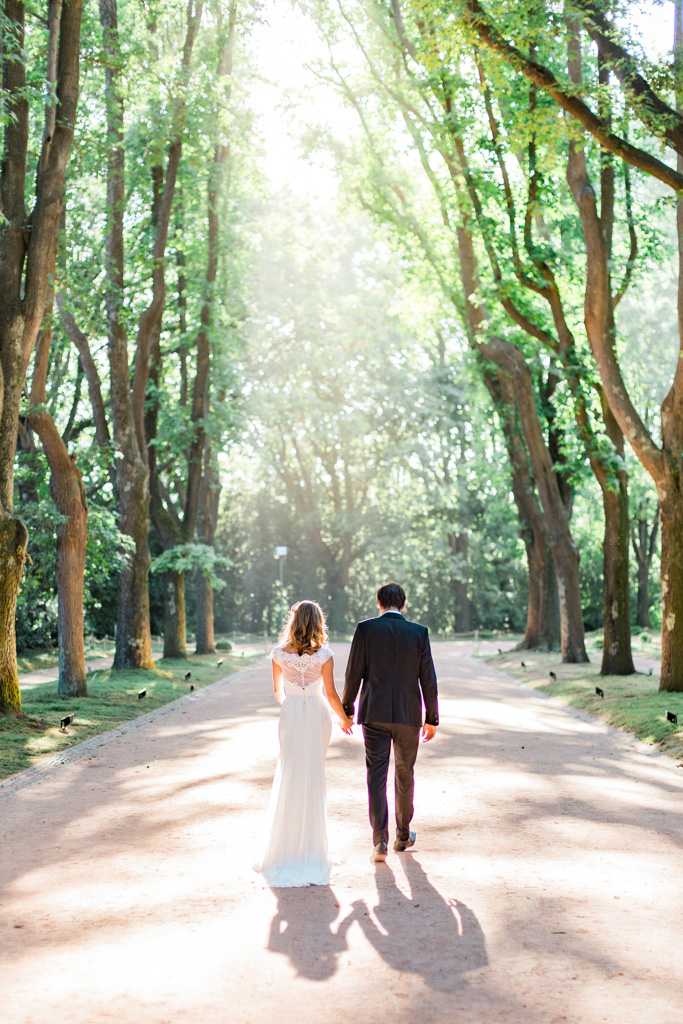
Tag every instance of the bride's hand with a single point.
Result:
(345, 725)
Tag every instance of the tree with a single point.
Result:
(661, 120)
(68, 493)
(127, 392)
(468, 299)
(27, 247)
(177, 526)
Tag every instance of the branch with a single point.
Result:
(661, 119)
(68, 431)
(475, 17)
(13, 172)
(80, 340)
(150, 316)
(48, 206)
(633, 238)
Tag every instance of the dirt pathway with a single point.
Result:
(544, 886)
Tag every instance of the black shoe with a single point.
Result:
(402, 844)
(379, 854)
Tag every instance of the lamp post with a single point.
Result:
(281, 554)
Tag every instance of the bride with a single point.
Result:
(296, 848)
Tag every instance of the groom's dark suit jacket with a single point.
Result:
(392, 658)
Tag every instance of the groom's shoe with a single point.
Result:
(379, 854)
(402, 844)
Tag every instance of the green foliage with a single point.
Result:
(369, 442)
(193, 558)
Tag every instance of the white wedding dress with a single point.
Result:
(296, 850)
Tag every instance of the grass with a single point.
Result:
(632, 703)
(113, 699)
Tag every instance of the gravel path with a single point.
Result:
(544, 886)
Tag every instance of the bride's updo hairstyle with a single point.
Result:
(305, 628)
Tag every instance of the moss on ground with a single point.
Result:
(113, 699)
(632, 703)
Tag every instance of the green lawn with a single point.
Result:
(113, 699)
(632, 703)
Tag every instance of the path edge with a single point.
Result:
(623, 736)
(44, 769)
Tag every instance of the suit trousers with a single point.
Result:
(379, 737)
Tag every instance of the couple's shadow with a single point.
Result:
(422, 933)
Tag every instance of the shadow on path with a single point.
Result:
(303, 930)
(422, 933)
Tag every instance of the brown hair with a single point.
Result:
(305, 627)
(391, 595)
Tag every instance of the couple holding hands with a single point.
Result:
(390, 662)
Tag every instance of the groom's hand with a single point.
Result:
(428, 732)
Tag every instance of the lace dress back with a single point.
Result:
(296, 851)
(302, 672)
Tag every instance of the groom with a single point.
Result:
(392, 658)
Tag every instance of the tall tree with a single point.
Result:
(459, 221)
(68, 493)
(662, 120)
(176, 526)
(127, 392)
(27, 246)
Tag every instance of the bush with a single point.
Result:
(223, 645)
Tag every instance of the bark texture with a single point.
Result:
(511, 361)
(66, 488)
(206, 530)
(13, 541)
(543, 616)
(644, 539)
(175, 637)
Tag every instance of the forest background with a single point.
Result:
(319, 275)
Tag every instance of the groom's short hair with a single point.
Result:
(391, 595)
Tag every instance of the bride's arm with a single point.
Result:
(333, 697)
(278, 685)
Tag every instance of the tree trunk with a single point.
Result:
(644, 546)
(72, 537)
(66, 488)
(174, 614)
(643, 603)
(543, 614)
(564, 551)
(133, 633)
(13, 541)
(671, 554)
(166, 526)
(616, 652)
(537, 555)
(617, 658)
(206, 531)
(550, 635)
(205, 639)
